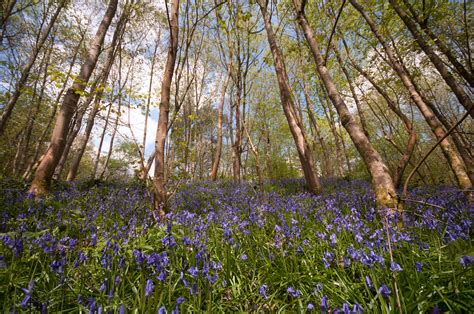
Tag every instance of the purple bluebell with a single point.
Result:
(293, 292)
(324, 303)
(310, 307)
(162, 310)
(419, 267)
(262, 291)
(149, 287)
(395, 267)
(368, 282)
(466, 260)
(384, 290)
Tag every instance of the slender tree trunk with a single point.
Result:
(45, 170)
(457, 89)
(109, 61)
(322, 142)
(101, 142)
(337, 141)
(4, 15)
(33, 164)
(144, 175)
(237, 146)
(449, 151)
(304, 151)
(220, 114)
(466, 74)
(382, 182)
(410, 146)
(363, 122)
(159, 190)
(8, 109)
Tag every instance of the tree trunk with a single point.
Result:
(4, 15)
(410, 146)
(8, 109)
(237, 146)
(322, 142)
(442, 47)
(304, 151)
(45, 170)
(220, 113)
(159, 190)
(109, 61)
(457, 89)
(449, 151)
(382, 182)
(147, 110)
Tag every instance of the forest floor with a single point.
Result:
(227, 248)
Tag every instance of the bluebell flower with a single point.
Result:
(263, 292)
(368, 282)
(293, 292)
(466, 260)
(193, 271)
(357, 309)
(310, 307)
(395, 267)
(318, 288)
(384, 290)
(418, 267)
(243, 257)
(121, 309)
(149, 287)
(345, 308)
(162, 310)
(324, 303)
(162, 276)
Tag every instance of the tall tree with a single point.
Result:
(45, 170)
(446, 145)
(382, 182)
(304, 152)
(220, 113)
(458, 90)
(159, 190)
(25, 72)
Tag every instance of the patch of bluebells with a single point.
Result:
(218, 232)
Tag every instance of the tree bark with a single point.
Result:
(4, 15)
(109, 61)
(382, 181)
(410, 146)
(304, 152)
(45, 170)
(457, 89)
(322, 142)
(467, 75)
(449, 151)
(25, 73)
(159, 190)
(220, 114)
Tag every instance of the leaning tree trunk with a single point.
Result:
(8, 109)
(159, 190)
(382, 181)
(118, 33)
(446, 145)
(304, 152)
(220, 113)
(467, 75)
(456, 88)
(45, 170)
(410, 146)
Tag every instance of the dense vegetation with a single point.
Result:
(228, 248)
(236, 156)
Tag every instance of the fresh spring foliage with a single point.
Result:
(226, 247)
